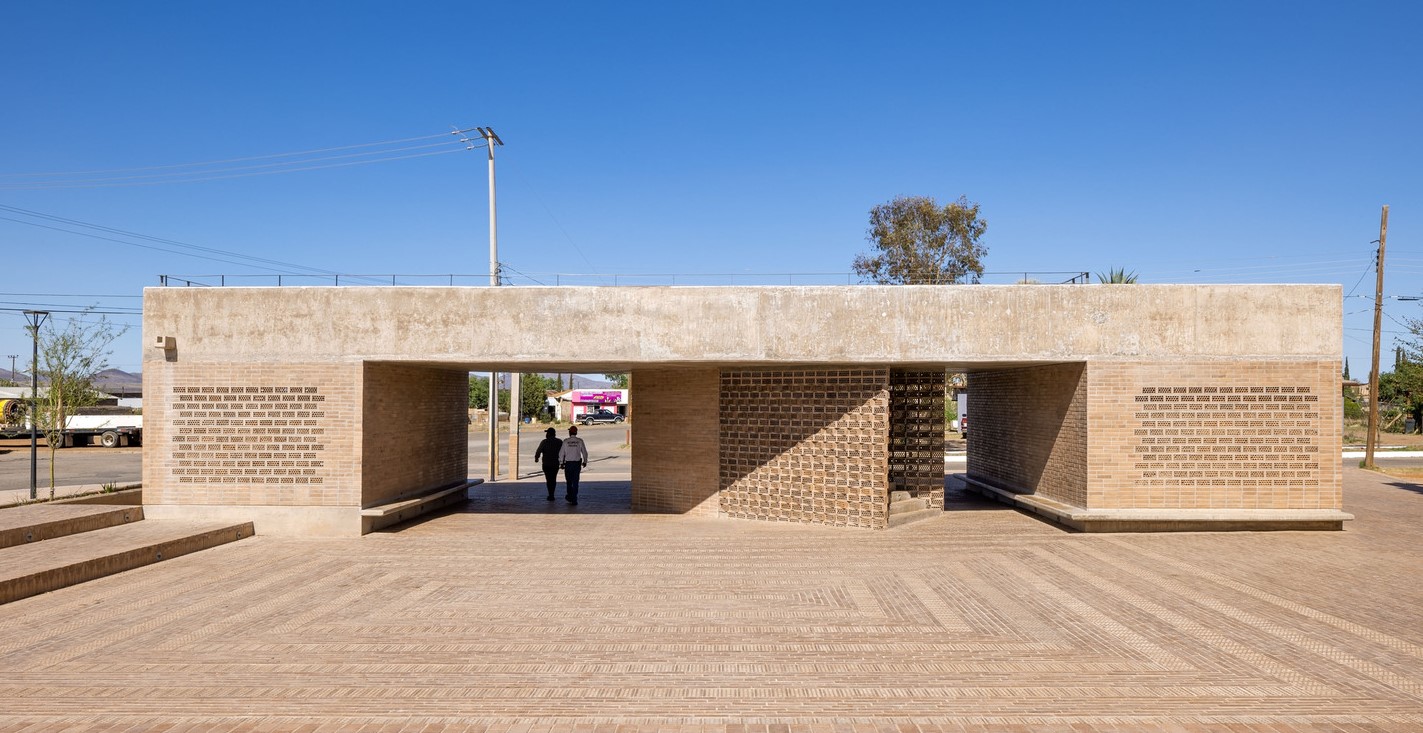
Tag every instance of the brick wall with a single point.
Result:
(1028, 430)
(251, 434)
(674, 441)
(1215, 435)
(916, 433)
(805, 445)
(416, 433)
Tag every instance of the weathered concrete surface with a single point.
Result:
(980, 325)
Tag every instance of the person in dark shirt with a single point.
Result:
(548, 455)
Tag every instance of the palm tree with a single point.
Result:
(1117, 276)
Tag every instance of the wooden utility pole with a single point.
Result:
(1372, 440)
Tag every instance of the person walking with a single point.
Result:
(574, 458)
(548, 451)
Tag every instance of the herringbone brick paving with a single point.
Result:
(520, 615)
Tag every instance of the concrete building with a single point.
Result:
(1106, 407)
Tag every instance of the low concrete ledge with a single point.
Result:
(395, 512)
(32, 569)
(1162, 520)
(38, 522)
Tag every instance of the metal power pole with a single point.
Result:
(35, 319)
(491, 139)
(1372, 440)
(13, 357)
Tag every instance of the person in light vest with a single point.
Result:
(573, 457)
(548, 452)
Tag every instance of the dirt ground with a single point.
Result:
(1356, 432)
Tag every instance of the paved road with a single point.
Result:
(604, 442)
(73, 466)
(123, 465)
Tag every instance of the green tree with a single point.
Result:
(917, 242)
(68, 361)
(533, 395)
(478, 392)
(1117, 276)
(1403, 388)
(619, 379)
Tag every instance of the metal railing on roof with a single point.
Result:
(589, 279)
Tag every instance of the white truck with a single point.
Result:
(110, 431)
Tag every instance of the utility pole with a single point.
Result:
(35, 319)
(490, 140)
(13, 357)
(1372, 440)
(515, 423)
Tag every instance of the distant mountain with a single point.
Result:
(119, 383)
(580, 381)
(112, 381)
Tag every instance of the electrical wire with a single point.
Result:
(226, 160)
(135, 244)
(66, 185)
(182, 176)
(251, 259)
(65, 295)
(1367, 269)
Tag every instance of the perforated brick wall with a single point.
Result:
(674, 441)
(1216, 435)
(416, 432)
(1028, 430)
(252, 434)
(916, 433)
(806, 445)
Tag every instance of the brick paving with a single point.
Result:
(515, 614)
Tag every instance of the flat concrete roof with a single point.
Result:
(590, 328)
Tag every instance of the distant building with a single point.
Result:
(569, 405)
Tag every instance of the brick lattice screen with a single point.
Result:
(806, 446)
(916, 433)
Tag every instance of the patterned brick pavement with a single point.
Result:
(520, 615)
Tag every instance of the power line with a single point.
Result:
(182, 177)
(67, 185)
(227, 160)
(65, 295)
(251, 260)
(86, 311)
(135, 244)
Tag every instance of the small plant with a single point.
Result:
(108, 488)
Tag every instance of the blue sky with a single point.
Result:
(1190, 142)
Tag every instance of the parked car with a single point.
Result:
(601, 416)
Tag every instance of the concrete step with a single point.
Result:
(907, 505)
(40, 567)
(903, 518)
(36, 522)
